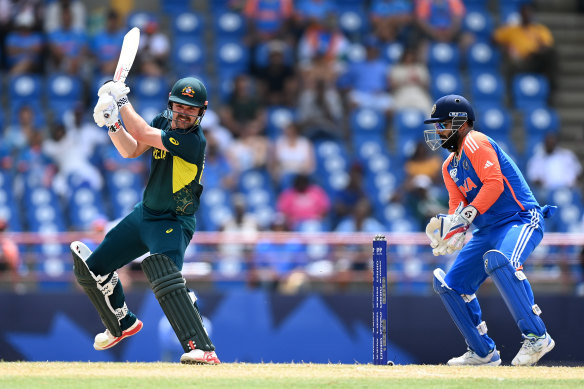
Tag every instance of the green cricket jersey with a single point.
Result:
(175, 176)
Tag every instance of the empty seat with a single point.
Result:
(445, 83)
(530, 91)
(487, 88)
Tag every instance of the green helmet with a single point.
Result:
(189, 91)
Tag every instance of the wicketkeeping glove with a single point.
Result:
(117, 89)
(106, 111)
(453, 227)
(439, 246)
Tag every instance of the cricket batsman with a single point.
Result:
(162, 224)
(486, 189)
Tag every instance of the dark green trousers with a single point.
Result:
(140, 232)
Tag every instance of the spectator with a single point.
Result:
(439, 20)
(154, 50)
(267, 20)
(320, 111)
(303, 202)
(409, 80)
(218, 170)
(310, 11)
(212, 125)
(24, 46)
(9, 255)
(33, 165)
(423, 162)
(73, 166)
(67, 45)
(243, 108)
(93, 137)
(107, 44)
(367, 81)
(293, 154)
(16, 136)
(552, 167)
(54, 15)
(346, 199)
(250, 150)
(277, 80)
(528, 47)
(361, 219)
(391, 20)
(322, 51)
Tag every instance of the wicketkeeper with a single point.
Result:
(486, 189)
(162, 224)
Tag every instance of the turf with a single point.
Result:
(242, 375)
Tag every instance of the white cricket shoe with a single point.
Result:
(533, 349)
(471, 358)
(200, 357)
(105, 340)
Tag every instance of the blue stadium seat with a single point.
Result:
(188, 57)
(487, 88)
(63, 91)
(367, 124)
(409, 129)
(530, 91)
(260, 195)
(537, 123)
(277, 119)
(392, 52)
(443, 56)
(479, 23)
(125, 191)
(445, 83)
(43, 208)
(229, 24)
(216, 208)
(187, 25)
(85, 206)
(150, 90)
(494, 121)
(482, 57)
(353, 21)
(332, 164)
(25, 88)
(231, 57)
(141, 19)
(173, 7)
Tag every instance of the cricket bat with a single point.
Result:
(127, 56)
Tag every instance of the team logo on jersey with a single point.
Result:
(169, 230)
(453, 174)
(465, 164)
(433, 109)
(188, 91)
(173, 141)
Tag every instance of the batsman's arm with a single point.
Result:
(144, 134)
(126, 144)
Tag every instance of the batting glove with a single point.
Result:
(117, 89)
(106, 111)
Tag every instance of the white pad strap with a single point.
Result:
(468, 297)
(520, 275)
(536, 309)
(482, 328)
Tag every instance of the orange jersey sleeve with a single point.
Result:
(485, 163)
(455, 196)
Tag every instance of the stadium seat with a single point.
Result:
(25, 88)
(367, 124)
(487, 88)
(231, 58)
(187, 25)
(173, 7)
(537, 123)
(277, 119)
(392, 52)
(482, 57)
(263, 51)
(188, 57)
(530, 91)
(85, 206)
(149, 90)
(216, 208)
(63, 91)
(445, 83)
(409, 129)
(140, 19)
(479, 22)
(443, 57)
(353, 21)
(494, 121)
(230, 25)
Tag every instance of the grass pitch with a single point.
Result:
(32, 375)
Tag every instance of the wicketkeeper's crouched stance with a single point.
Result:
(162, 224)
(486, 189)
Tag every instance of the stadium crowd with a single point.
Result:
(315, 114)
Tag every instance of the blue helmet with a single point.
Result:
(450, 106)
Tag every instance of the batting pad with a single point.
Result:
(472, 328)
(98, 289)
(170, 290)
(512, 285)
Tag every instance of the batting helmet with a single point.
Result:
(450, 106)
(189, 91)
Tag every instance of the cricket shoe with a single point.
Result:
(106, 340)
(533, 349)
(200, 357)
(472, 358)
